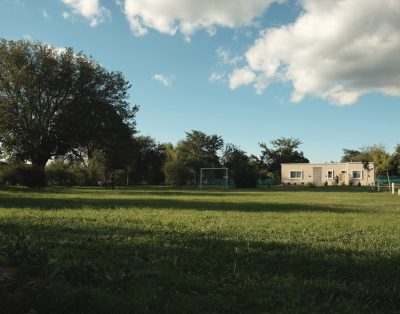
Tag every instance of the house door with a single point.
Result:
(317, 175)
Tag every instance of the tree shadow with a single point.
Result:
(59, 203)
(190, 272)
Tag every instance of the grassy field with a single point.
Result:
(161, 250)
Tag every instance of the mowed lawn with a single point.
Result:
(163, 250)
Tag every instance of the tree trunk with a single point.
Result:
(37, 176)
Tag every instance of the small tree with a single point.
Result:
(176, 172)
(285, 150)
(97, 166)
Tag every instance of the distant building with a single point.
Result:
(328, 173)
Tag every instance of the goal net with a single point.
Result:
(214, 177)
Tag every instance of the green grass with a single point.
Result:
(162, 250)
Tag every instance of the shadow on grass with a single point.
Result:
(131, 270)
(54, 203)
(191, 191)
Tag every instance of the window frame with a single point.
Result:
(296, 178)
(333, 174)
(355, 171)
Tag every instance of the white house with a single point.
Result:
(328, 173)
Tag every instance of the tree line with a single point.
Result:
(65, 119)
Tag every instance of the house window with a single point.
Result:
(330, 174)
(295, 174)
(356, 174)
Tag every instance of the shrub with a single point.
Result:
(120, 177)
(58, 173)
(80, 174)
(176, 172)
(326, 183)
(97, 166)
(245, 175)
(20, 173)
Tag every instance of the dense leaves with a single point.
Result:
(197, 151)
(284, 150)
(377, 154)
(242, 171)
(53, 101)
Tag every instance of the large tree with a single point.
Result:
(148, 160)
(243, 172)
(374, 153)
(284, 150)
(197, 150)
(54, 101)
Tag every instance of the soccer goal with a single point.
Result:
(214, 177)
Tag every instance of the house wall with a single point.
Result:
(343, 171)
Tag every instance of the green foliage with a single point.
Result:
(30, 277)
(374, 153)
(350, 155)
(176, 172)
(149, 160)
(120, 177)
(97, 166)
(199, 150)
(242, 171)
(53, 102)
(20, 173)
(395, 161)
(59, 173)
(285, 150)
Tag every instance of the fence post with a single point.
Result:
(393, 188)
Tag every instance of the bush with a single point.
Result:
(120, 177)
(58, 173)
(80, 174)
(20, 173)
(244, 175)
(176, 172)
(97, 166)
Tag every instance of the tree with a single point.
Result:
(374, 153)
(350, 155)
(285, 150)
(242, 171)
(148, 161)
(53, 101)
(395, 161)
(199, 150)
(176, 172)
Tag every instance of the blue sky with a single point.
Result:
(250, 71)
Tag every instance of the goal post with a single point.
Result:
(225, 177)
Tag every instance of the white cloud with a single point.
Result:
(336, 50)
(91, 10)
(45, 14)
(225, 57)
(216, 77)
(164, 79)
(66, 15)
(243, 76)
(188, 16)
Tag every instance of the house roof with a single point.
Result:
(325, 163)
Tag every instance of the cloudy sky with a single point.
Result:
(324, 71)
